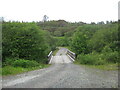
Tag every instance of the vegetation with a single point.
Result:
(96, 44)
(58, 28)
(10, 70)
(25, 41)
(55, 51)
(108, 66)
(25, 45)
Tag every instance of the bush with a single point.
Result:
(24, 63)
(99, 44)
(86, 59)
(99, 58)
(8, 62)
(112, 57)
(91, 59)
(61, 41)
(78, 43)
(103, 38)
(109, 55)
(25, 41)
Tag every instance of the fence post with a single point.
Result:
(49, 56)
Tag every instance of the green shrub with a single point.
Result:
(98, 58)
(25, 41)
(78, 43)
(100, 61)
(112, 57)
(104, 37)
(86, 59)
(61, 41)
(109, 55)
(24, 63)
(91, 59)
(8, 62)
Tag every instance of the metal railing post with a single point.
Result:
(49, 56)
(71, 54)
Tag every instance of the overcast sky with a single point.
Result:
(69, 10)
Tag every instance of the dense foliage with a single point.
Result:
(96, 44)
(25, 41)
(24, 63)
(25, 44)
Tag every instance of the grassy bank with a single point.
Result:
(109, 66)
(12, 67)
(104, 60)
(10, 70)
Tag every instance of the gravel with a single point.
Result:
(63, 74)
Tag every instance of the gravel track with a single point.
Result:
(63, 74)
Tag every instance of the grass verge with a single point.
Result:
(10, 70)
(109, 66)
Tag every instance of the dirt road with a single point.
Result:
(63, 74)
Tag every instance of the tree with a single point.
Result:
(104, 37)
(25, 41)
(78, 43)
(45, 17)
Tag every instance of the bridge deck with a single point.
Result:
(60, 57)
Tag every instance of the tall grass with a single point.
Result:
(7, 70)
(10, 70)
(20, 66)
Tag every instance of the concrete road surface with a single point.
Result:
(63, 74)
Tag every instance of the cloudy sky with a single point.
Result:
(69, 10)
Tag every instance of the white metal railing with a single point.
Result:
(49, 56)
(71, 54)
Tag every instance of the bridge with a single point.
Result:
(62, 56)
